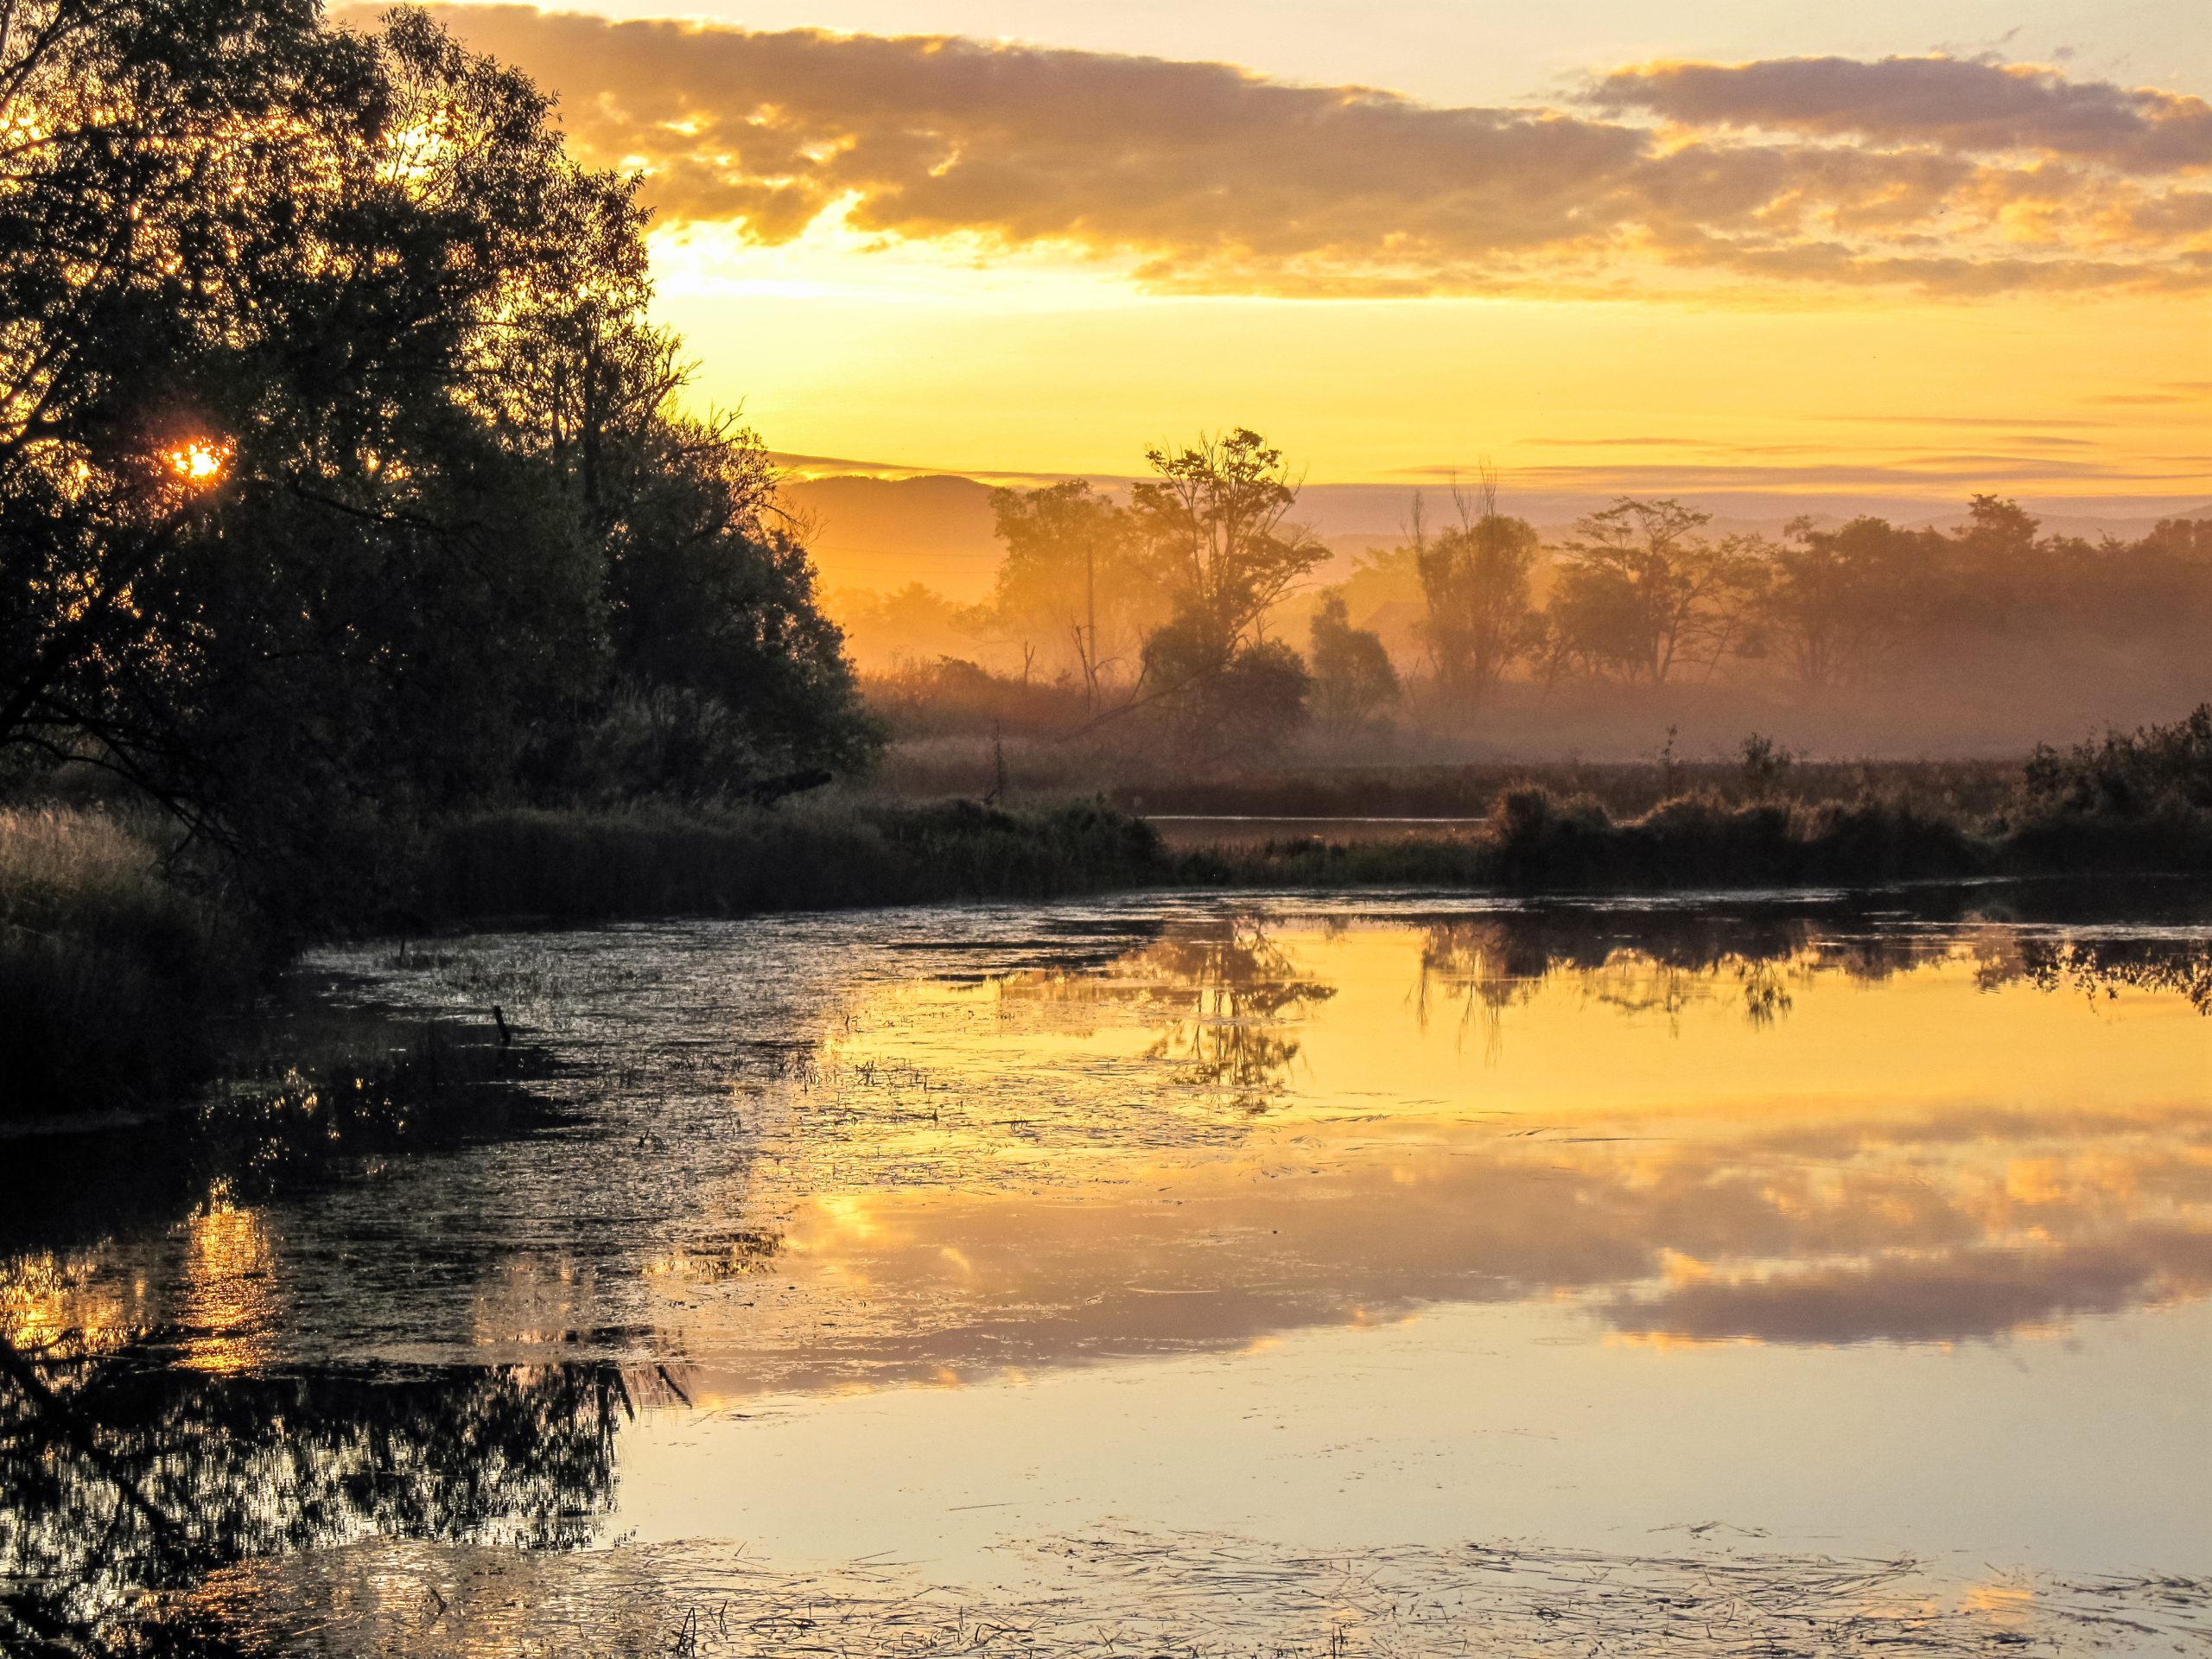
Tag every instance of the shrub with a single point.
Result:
(2132, 773)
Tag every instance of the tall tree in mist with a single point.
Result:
(1214, 536)
(1354, 683)
(1832, 603)
(1642, 592)
(1478, 620)
(1070, 582)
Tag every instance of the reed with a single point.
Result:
(113, 977)
(569, 866)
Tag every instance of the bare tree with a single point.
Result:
(1070, 579)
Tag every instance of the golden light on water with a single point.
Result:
(225, 1295)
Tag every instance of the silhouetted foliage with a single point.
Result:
(337, 470)
(1216, 540)
(1354, 685)
(1766, 763)
(1475, 590)
(2128, 773)
(1642, 592)
(1833, 601)
(1238, 707)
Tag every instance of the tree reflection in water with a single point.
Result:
(127, 1474)
(1225, 998)
(136, 1459)
(1233, 1037)
(128, 1477)
(1661, 962)
(2106, 967)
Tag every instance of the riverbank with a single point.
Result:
(539, 868)
(117, 969)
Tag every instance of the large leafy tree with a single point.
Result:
(146, 146)
(337, 466)
(1478, 618)
(1354, 682)
(1834, 602)
(1214, 520)
(1215, 539)
(1642, 591)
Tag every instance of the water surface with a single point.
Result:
(1250, 1270)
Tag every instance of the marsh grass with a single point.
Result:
(112, 975)
(925, 767)
(1625, 790)
(654, 861)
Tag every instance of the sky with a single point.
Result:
(1901, 251)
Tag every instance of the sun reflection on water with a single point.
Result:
(226, 1301)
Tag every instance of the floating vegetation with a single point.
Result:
(1127, 1593)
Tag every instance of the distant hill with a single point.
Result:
(881, 533)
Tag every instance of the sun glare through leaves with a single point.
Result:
(199, 463)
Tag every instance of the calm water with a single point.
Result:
(1239, 1275)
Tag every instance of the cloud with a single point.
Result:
(2183, 392)
(1941, 476)
(1957, 105)
(1951, 1296)
(1206, 178)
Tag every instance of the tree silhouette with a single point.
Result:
(1215, 536)
(1354, 683)
(1641, 592)
(337, 469)
(1477, 619)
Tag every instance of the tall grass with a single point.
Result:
(654, 861)
(112, 975)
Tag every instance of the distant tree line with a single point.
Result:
(1640, 594)
(1155, 616)
(342, 479)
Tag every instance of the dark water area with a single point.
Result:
(1394, 1274)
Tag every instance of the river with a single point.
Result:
(1208, 1273)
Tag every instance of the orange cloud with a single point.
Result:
(1205, 177)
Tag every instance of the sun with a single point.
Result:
(199, 463)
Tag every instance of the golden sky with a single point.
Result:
(1704, 248)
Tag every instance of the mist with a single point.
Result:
(1492, 628)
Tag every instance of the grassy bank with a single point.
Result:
(112, 976)
(1539, 841)
(1967, 789)
(581, 865)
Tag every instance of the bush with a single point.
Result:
(2153, 769)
